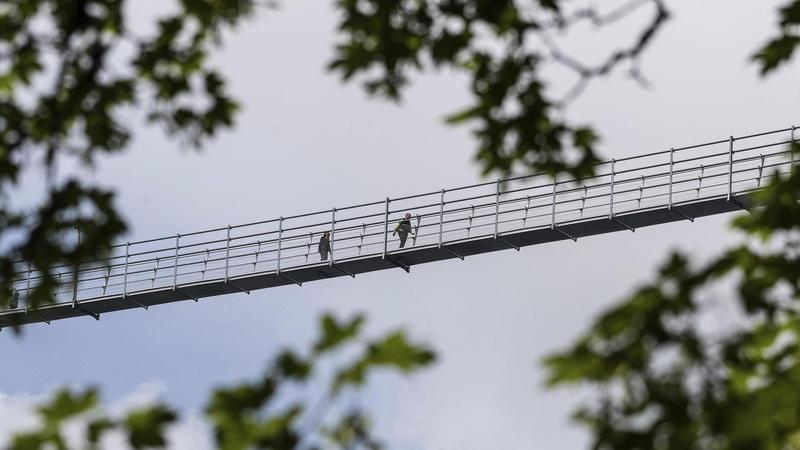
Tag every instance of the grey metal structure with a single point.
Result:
(626, 194)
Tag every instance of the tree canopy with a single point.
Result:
(69, 69)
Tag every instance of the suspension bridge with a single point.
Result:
(679, 184)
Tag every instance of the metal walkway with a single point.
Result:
(626, 194)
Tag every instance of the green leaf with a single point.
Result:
(277, 432)
(240, 400)
(776, 52)
(67, 404)
(353, 431)
(585, 138)
(790, 14)
(464, 115)
(395, 350)
(97, 428)
(146, 427)
(335, 333)
(291, 366)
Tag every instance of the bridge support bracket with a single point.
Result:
(740, 204)
(351, 275)
(398, 264)
(447, 250)
(188, 297)
(37, 316)
(690, 219)
(504, 241)
(80, 308)
(290, 279)
(125, 297)
(564, 233)
(615, 220)
(237, 286)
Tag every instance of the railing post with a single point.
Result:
(125, 275)
(28, 287)
(791, 149)
(385, 229)
(58, 285)
(527, 207)
(227, 253)
(583, 199)
(553, 211)
(107, 277)
(13, 302)
(308, 246)
(730, 170)
(700, 180)
(363, 232)
(441, 217)
(175, 267)
(611, 203)
(76, 274)
(497, 209)
(641, 194)
(333, 233)
(280, 243)
(671, 172)
(155, 272)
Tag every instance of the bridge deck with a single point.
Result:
(399, 259)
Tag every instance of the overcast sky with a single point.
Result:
(306, 142)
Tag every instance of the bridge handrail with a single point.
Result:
(493, 215)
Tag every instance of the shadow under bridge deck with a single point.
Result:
(679, 184)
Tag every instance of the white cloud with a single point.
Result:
(146, 394)
(18, 414)
(191, 433)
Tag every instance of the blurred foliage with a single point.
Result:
(262, 414)
(501, 46)
(664, 378)
(69, 70)
(779, 50)
(675, 366)
(666, 373)
(678, 364)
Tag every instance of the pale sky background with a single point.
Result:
(305, 142)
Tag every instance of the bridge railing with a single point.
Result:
(728, 167)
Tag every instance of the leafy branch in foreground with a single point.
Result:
(779, 50)
(671, 367)
(676, 366)
(502, 46)
(262, 414)
(69, 73)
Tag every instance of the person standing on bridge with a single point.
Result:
(403, 228)
(324, 246)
